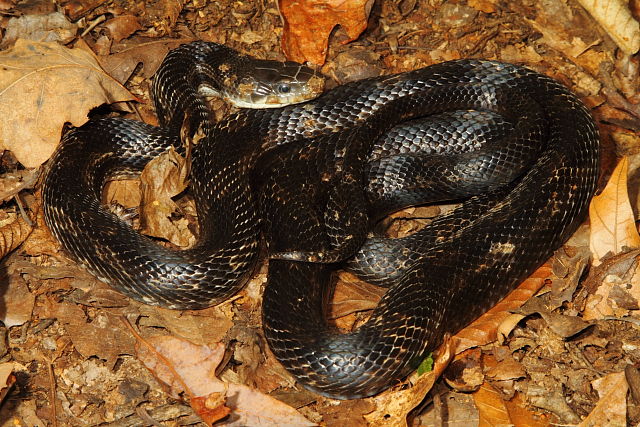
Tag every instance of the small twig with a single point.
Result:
(100, 19)
(623, 319)
(52, 391)
(144, 416)
(23, 213)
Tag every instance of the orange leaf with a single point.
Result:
(612, 222)
(308, 24)
(484, 329)
(491, 408)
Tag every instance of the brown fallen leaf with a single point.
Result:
(13, 232)
(493, 410)
(352, 296)
(562, 325)
(16, 301)
(618, 288)
(42, 87)
(199, 327)
(613, 226)
(611, 409)
(113, 341)
(188, 368)
(465, 374)
(163, 178)
(165, 15)
(150, 54)
(309, 23)
(486, 6)
(121, 27)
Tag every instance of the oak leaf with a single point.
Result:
(42, 87)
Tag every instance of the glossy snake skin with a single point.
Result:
(314, 177)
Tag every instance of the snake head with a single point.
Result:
(273, 84)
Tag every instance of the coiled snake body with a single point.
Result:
(313, 176)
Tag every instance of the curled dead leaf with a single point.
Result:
(13, 233)
(121, 27)
(485, 329)
(7, 379)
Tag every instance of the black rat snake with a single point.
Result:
(312, 177)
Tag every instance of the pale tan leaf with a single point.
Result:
(7, 379)
(612, 222)
(53, 27)
(14, 182)
(42, 87)
(616, 19)
(611, 409)
(186, 367)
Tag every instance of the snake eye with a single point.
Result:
(284, 88)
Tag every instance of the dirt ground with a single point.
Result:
(73, 346)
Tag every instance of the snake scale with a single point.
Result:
(313, 178)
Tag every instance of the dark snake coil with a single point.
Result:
(313, 177)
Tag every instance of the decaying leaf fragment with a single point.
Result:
(611, 409)
(188, 368)
(42, 87)
(308, 24)
(613, 225)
